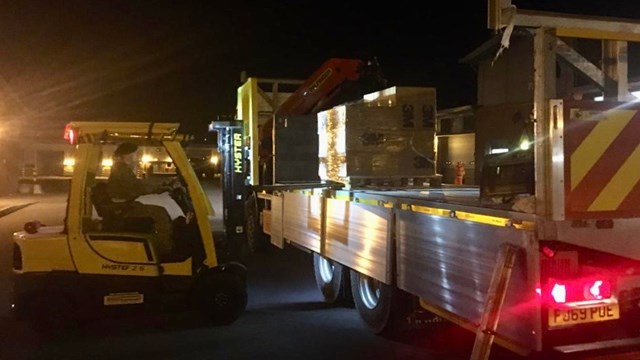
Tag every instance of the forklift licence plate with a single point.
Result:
(563, 317)
(123, 298)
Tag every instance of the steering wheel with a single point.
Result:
(181, 197)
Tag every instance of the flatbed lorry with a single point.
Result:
(539, 258)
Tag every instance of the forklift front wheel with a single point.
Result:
(220, 297)
(49, 314)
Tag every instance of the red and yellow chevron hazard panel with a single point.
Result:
(602, 160)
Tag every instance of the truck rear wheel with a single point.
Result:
(380, 306)
(220, 297)
(332, 280)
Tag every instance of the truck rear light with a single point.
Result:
(559, 293)
(578, 290)
(599, 289)
(548, 252)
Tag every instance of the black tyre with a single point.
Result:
(220, 297)
(257, 240)
(50, 314)
(332, 280)
(382, 307)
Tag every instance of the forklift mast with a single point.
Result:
(233, 176)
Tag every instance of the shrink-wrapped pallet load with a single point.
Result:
(387, 138)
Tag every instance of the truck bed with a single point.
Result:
(450, 197)
(440, 244)
(460, 195)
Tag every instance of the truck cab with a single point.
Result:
(100, 264)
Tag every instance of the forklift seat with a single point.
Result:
(112, 213)
(105, 207)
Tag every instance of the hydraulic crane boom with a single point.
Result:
(321, 86)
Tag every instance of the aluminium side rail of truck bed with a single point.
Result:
(437, 244)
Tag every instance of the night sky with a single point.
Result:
(181, 60)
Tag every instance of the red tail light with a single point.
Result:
(548, 252)
(599, 289)
(569, 291)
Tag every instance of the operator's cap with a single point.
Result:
(125, 149)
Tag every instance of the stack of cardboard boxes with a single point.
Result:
(388, 136)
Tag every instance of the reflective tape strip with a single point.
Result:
(596, 143)
(468, 216)
(525, 225)
(620, 185)
(603, 149)
(386, 204)
(483, 219)
(430, 210)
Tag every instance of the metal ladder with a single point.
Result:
(495, 299)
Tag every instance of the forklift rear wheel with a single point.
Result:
(220, 297)
(332, 280)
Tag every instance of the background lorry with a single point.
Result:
(540, 257)
(101, 263)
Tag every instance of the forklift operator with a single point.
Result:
(124, 187)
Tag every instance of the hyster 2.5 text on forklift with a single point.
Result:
(541, 257)
(100, 263)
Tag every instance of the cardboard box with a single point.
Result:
(388, 134)
(296, 149)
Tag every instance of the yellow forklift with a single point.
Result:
(98, 265)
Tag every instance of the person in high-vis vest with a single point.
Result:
(460, 173)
